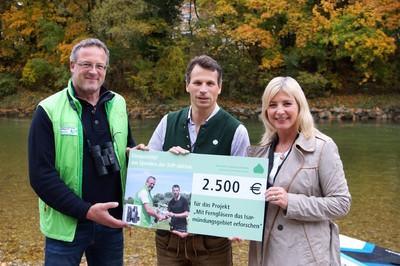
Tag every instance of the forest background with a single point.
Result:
(334, 48)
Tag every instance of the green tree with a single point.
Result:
(32, 45)
(168, 10)
(328, 37)
(140, 37)
(332, 45)
(350, 38)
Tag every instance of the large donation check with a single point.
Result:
(224, 194)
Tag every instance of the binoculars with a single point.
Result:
(104, 158)
(133, 215)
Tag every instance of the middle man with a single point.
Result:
(203, 127)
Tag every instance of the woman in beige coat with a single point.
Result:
(307, 188)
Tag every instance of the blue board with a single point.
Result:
(355, 252)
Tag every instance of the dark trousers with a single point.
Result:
(196, 250)
(102, 245)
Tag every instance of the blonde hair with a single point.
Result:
(305, 121)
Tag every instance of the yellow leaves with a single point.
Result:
(27, 31)
(319, 22)
(351, 31)
(224, 8)
(302, 37)
(365, 17)
(380, 44)
(256, 31)
(37, 13)
(64, 50)
(14, 20)
(272, 62)
(253, 36)
(328, 6)
(28, 73)
(22, 22)
(366, 77)
(349, 46)
(368, 48)
(391, 11)
(74, 29)
(279, 7)
(16, 23)
(267, 8)
(256, 4)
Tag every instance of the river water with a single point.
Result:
(370, 152)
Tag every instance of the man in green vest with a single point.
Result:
(202, 127)
(77, 150)
(143, 198)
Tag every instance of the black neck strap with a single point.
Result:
(271, 159)
(270, 166)
(71, 102)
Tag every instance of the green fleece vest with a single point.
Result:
(214, 137)
(68, 137)
(145, 218)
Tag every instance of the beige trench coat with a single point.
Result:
(305, 233)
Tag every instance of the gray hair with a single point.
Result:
(150, 177)
(88, 43)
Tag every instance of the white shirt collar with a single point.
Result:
(208, 118)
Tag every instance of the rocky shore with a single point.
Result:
(252, 112)
(153, 111)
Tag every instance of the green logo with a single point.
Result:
(258, 169)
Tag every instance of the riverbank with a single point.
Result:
(368, 151)
(345, 107)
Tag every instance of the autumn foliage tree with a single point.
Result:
(330, 46)
(340, 45)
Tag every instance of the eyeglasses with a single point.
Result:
(87, 65)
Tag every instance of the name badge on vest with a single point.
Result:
(69, 131)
